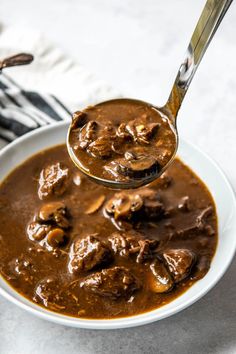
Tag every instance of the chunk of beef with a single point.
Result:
(122, 132)
(48, 291)
(145, 249)
(54, 213)
(132, 244)
(122, 243)
(129, 205)
(114, 283)
(101, 147)
(78, 119)
(160, 280)
(198, 226)
(96, 139)
(141, 130)
(53, 180)
(105, 144)
(87, 254)
(179, 262)
(88, 133)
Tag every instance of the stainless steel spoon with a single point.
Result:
(206, 27)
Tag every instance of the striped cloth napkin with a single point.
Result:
(47, 90)
(22, 111)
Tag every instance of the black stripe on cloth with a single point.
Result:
(41, 104)
(2, 85)
(39, 101)
(14, 126)
(24, 111)
(11, 98)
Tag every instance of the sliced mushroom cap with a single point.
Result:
(122, 205)
(119, 205)
(160, 280)
(56, 237)
(179, 262)
(54, 213)
(137, 165)
(95, 205)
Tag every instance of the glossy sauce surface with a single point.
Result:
(83, 250)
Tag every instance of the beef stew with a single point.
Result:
(80, 249)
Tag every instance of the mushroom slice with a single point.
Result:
(96, 205)
(160, 280)
(136, 165)
(123, 205)
(56, 237)
(54, 213)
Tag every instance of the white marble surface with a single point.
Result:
(136, 46)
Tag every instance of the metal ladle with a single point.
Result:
(206, 27)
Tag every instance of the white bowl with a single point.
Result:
(206, 169)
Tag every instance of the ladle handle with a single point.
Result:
(18, 59)
(207, 25)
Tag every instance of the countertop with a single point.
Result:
(137, 46)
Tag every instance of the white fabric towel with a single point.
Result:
(51, 72)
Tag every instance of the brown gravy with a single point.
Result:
(122, 140)
(83, 250)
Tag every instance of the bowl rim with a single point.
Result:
(122, 322)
